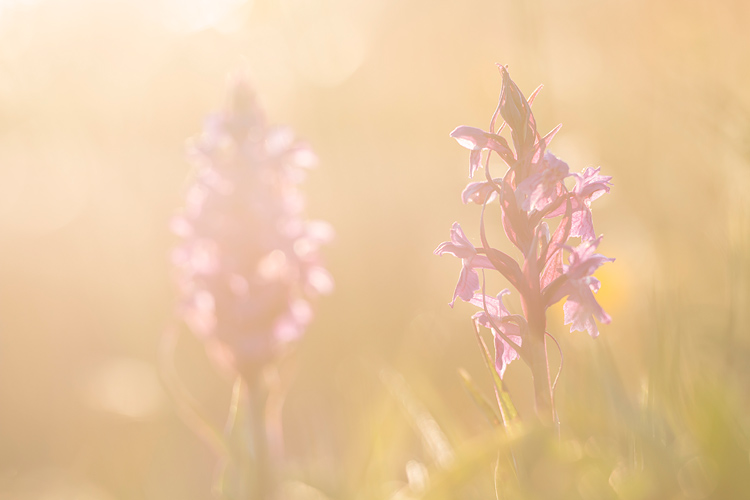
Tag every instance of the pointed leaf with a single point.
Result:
(562, 233)
(499, 145)
(552, 269)
(508, 267)
(533, 95)
(507, 409)
(514, 222)
(543, 144)
(516, 111)
(484, 406)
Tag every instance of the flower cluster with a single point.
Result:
(247, 262)
(532, 195)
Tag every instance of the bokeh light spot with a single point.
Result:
(126, 387)
(189, 16)
(330, 50)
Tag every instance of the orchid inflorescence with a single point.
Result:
(531, 193)
(247, 263)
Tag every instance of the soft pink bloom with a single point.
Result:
(544, 185)
(477, 192)
(581, 308)
(504, 353)
(460, 246)
(247, 263)
(583, 260)
(589, 186)
(477, 140)
(530, 192)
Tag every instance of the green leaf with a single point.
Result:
(434, 440)
(484, 406)
(507, 409)
(473, 456)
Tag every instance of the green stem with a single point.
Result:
(540, 372)
(263, 483)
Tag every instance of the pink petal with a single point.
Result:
(583, 260)
(494, 305)
(478, 192)
(470, 137)
(583, 224)
(476, 140)
(581, 308)
(480, 262)
(590, 184)
(504, 353)
(459, 246)
(458, 237)
(475, 159)
(552, 269)
(544, 142)
(452, 249)
(468, 283)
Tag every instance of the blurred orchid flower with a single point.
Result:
(247, 263)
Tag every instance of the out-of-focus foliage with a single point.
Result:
(96, 101)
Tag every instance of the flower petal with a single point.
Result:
(478, 192)
(504, 353)
(475, 159)
(459, 246)
(470, 137)
(581, 308)
(468, 283)
(495, 305)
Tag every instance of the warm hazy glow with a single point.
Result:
(98, 99)
(329, 50)
(9, 4)
(127, 387)
(52, 483)
(194, 15)
(43, 189)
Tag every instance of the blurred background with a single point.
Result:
(97, 100)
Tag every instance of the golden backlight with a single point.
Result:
(98, 103)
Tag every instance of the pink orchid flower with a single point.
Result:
(531, 191)
(460, 246)
(544, 185)
(477, 140)
(504, 353)
(479, 192)
(589, 186)
(581, 308)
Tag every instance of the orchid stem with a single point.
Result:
(262, 477)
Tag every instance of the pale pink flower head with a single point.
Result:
(581, 308)
(478, 140)
(583, 260)
(544, 185)
(460, 246)
(504, 353)
(247, 263)
(529, 187)
(590, 185)
(478, 192)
